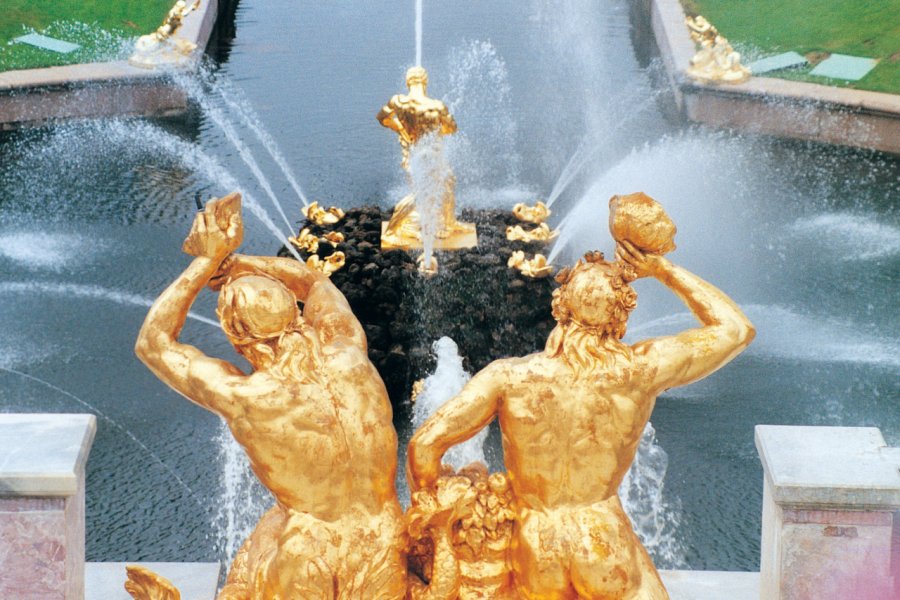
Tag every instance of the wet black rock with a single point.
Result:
(489, 310)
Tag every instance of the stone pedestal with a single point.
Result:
(42, 461)
(831, 497)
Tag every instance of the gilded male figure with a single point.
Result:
(313, 416)
(571, 419)
(414, 116)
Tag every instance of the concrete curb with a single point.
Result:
(33, 96)
(767, 105)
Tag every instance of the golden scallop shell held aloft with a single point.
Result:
(641, 220)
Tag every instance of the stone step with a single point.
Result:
(195, 581)
(198, 581)
(711, 585)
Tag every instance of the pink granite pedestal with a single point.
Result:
(42, 462)
(830, 526)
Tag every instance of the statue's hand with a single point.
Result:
(215, 233)
(644, 264)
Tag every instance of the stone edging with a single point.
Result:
(34, 96)
(773, 106)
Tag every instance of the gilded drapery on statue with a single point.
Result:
(314, 418)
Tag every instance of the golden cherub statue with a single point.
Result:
(161, 47)
(415, 117)
(571, 418)
(536, 214)
(535, 268)
(541, 233)
(313, 416)
(715, 61)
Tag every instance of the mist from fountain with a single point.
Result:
(195, 91)
(418, 33)
(233, 97)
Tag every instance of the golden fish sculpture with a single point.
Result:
(535, 268)
(323, 216)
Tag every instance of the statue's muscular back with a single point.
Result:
(420, 116)
(569, 439)
(319, 445)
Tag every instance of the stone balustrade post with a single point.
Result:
(42, 463)
(831, 513)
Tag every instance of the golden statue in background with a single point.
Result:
(161, 47)
(313, 416)
(416, 118)
(572, 416)
(715, 61)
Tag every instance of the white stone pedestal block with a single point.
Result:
(830, 523)
(42, 460)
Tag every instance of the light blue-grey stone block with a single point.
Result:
(711, 585)
(43, 454)
(195, 581)
(47, 43)
(841, 66)
(779, 61)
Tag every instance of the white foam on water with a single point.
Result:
(655, 520)
(850, 236)
(47, 251)
(447, 381)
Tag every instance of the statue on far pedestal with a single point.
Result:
(416, 119)
(313, 416)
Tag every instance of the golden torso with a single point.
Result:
(419, 114)
(568, 441)
(320, 448)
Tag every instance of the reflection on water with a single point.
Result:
(92, 217)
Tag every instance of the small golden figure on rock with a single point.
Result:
(162, 47)
(536, 214)
(571, 417)
(323, 216)
(334, 238)
(417, 118)
(430, 269)
(715, 61)
(333, 262)
(305, 241)
(535, 268)
(313, 416)
(541, 233)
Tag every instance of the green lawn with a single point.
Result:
(867, 28)
(104, 28)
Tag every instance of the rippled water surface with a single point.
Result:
(549, 97)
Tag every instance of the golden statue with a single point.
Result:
(313, 416)
(305, 240)
(415, 117)
(334, 262)
(460, 532)
(535, 268)
(541, 233)
(536, 214)
(161, 47)
(715, 61)
(323, 216)
(571, 419)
